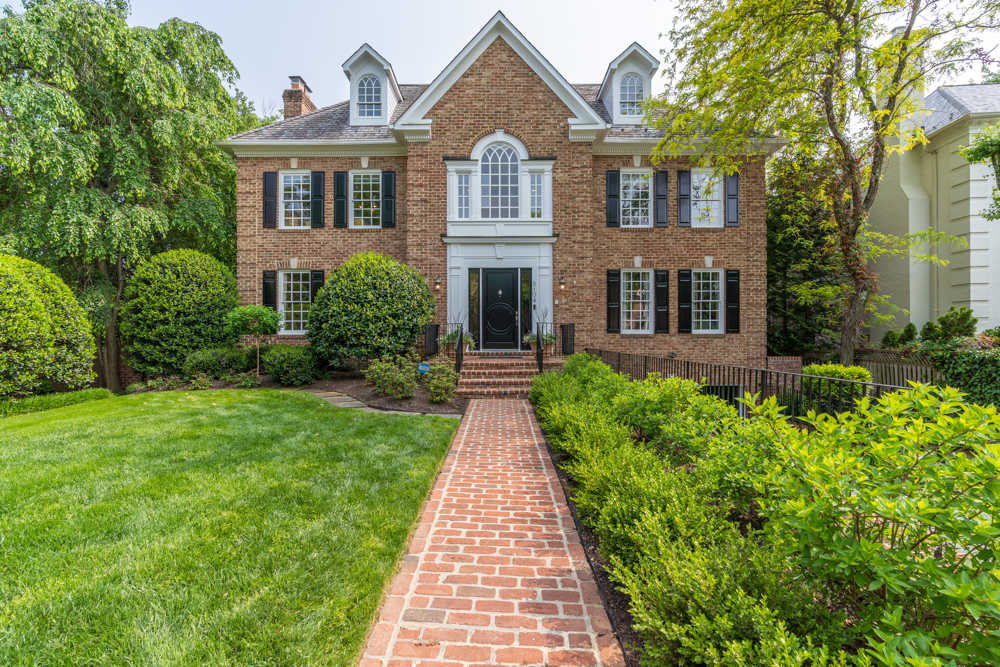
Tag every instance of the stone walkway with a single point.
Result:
(495, 573)
(342, 400)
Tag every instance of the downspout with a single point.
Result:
(935, 267)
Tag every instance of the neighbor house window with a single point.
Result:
(366, 199)
(295, 298)
(369, 96)
(631, 95)
(464, 194)
(706, 198)
(536, 195)
(635, 199)
(706, 301)
(636, 300)
(295, 199)
(499, 174)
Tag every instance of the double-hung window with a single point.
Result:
(295, 193)
(635, 198)
(464, 192)
(537, 183)
(706, 198)
(369, 96)
(631, 95)
(636, 301)
(366, 199)
(295, 299)
(706, 301)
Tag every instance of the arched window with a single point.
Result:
(499, 173)
(631, 100)
(369, 96)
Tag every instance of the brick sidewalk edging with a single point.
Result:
(495, 573)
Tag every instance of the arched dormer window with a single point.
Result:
(369, 96)
(631, 95)
(499, 174)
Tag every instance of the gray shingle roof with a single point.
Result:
(949, 103)
(589, 91)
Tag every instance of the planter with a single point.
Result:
(531, 348)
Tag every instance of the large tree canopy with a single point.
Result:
(106, 145)
(836, 77)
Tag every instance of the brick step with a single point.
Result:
(488, 384)
(512, 363)
(484, 392)
(498, 372)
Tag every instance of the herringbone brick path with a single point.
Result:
(495, 573)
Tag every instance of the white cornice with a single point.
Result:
(644, 146)
(473, 240)
(306, 148)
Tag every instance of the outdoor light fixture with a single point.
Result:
(562, 283)
(437, 283)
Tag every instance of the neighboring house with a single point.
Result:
(933, 187)
(519, 197)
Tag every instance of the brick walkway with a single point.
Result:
(495, 573)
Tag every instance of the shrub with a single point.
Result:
(172, 383)
(10, 408)
(176, 303)
(823, 395)
(894, 509)
(290, 365)
(390, 379)
(372, 307)
(44, 334)
(993, 333)
(956, 323)
(440, 382)
(248, 381)
(890, 340)
(216, 362)
(200, 381)
(255, 322)
(134, 387)
(969, 364)
(155, 383)
(908, 334)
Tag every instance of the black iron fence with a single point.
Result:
(431, 333)
(798, 393)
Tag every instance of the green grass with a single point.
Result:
(204, 528)
(50, 401)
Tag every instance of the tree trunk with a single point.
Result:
(108, 351)
(851, 327)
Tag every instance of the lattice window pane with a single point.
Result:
(706, 199)
(464, 194)
(635, 200)
(369, 96)
(536, 195)
(706, 300)
(636, 300)
(367, 198)
(631, 95)
(295, 299)
(499, 176)
(295, 200)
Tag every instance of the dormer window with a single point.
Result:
(369, 97)
(499, 171)
(631, 95)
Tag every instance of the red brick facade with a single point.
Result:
(501, 91)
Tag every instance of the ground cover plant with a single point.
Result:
(194, 528)
(42, 402)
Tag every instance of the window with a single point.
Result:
(366, 198)
(706, 198)
(464, 194)
(499, 173)
(631, 99)
(369, 96)
(635, 199)
(706, 301)
(636, 300)
(536, 195)
(295, 298)
(295, 199)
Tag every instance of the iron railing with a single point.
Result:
(798, 393)
(568, 334)
(431, 333)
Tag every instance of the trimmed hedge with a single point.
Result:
(218, 362)
(174, 304)
(51, 401)
(290, 365)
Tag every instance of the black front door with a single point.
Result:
(500, 309)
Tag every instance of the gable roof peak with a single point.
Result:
(634, 51)
(367, 52)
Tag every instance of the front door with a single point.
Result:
(500, 309)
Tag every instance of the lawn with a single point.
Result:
(194, 528)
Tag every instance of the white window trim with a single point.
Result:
(720, 221)
(621, 197)
(281, 205)
(617, 117)
(652, 300)
(282, 277)
(619, 100)
(381, 97)
(722, 303)
(350, 197)
(370, 69)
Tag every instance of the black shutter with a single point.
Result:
(270, 199)
(684, 301)
(316, 282)
(388, 199)
(340, 199)
(613, 190)
(614, 300)
(733, 200)
(662, 321)
(732, 301)
(270, 299)
(683, 198)
(661, 199)
(318, 198)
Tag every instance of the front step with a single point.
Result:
(491, 375)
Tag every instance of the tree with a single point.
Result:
(106, 146)
(254, 321)
(985, 149)
(833, 77)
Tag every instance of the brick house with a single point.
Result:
(519, 197)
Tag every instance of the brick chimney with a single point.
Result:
(296, 98)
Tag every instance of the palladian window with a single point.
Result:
(631, 95)
(499, 173)
(369, 96)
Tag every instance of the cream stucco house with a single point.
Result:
(933, 187)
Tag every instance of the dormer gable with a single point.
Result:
(374, 90)
(628, 81)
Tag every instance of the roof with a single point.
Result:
(590, 91)
(950, 103)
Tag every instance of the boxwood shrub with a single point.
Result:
(292, 365)
(218, 362)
